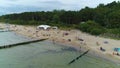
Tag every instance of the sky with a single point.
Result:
(18, 6)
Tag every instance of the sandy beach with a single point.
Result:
(74, 38)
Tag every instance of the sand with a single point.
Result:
(72, 39)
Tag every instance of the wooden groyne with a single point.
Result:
(78, 57)
(5, 30)
(21, 43)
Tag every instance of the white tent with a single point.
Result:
(55, 27)
(43, 27)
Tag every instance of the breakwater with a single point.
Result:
(5, 30)
(21, 43)
(78, 57)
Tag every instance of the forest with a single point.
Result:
(102, 20)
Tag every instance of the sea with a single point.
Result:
(44, 54)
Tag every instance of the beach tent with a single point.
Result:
(55, 27)
(43, 27)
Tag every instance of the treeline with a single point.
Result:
(106, 17)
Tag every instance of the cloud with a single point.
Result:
(16, 6)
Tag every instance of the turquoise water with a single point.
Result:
(45, 54)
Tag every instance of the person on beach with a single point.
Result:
(118, 54)
(80, 48)
(97, 43)
(102, 49)
(37, 33)
(113, 53)
(69, 40)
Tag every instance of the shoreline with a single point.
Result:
(91, 53)
(71, 41)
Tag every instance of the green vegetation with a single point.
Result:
(104, 19)
(91, 27)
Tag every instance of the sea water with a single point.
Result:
(45, 54)
(7, 38)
